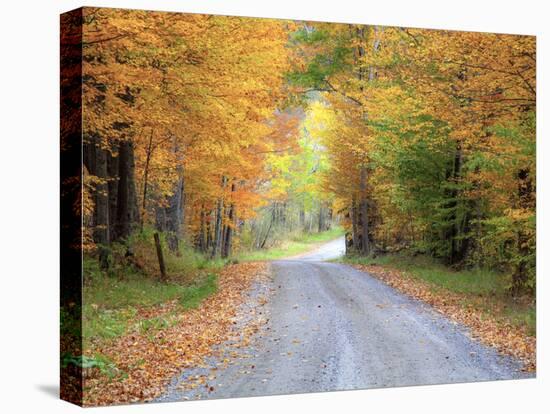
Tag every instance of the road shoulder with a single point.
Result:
(148, 361)
(507, 339)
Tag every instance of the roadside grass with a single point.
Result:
(484, 289)
(111, 306)
(299, 243)
(112, 300)
(181, 266)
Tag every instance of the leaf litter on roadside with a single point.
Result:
(149, 362)
(506, 338)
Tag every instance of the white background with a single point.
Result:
(29, 192)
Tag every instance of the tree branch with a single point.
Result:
(91, 42)
(333, 89)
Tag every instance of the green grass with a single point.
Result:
(300, 243)
(193, 295)
(112, 299)
(476, 281)
(181, 266)
(485, 289)
(98, 361)
(111, 303)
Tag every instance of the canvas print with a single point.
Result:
(254, 207)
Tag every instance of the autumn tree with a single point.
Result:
(435, 131)
(177, 118)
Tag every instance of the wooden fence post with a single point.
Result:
(160, 257)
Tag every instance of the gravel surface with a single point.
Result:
(331, 327)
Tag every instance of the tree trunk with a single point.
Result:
(226, 251)
(230, 231)
(160, 257)
(132, 192)
(458, 226)
(365, 243)
(218, 226)
(202, 238)
(209, 232)
(145, 179)
(175, 209)
(112, 168)
(355, 226)
(262, 245)
(348, 241)
(101, 231)
(218, 229)
(363, 203)
(126, 200)
(526, 201)
(174, 215)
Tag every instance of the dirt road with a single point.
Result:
(332, 327)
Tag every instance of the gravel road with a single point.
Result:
(332, 327)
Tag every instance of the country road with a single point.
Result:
(332, 327)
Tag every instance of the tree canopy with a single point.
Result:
(215, 129)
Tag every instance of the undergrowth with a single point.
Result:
(113, 298)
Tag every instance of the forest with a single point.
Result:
(418, 139)
(213, 138)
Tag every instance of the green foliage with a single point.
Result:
(309, 36)
(420, 167)
(98, 361)
(500, 248)
(323, 65)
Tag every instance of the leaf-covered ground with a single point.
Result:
(505, 337)
(144, 361)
